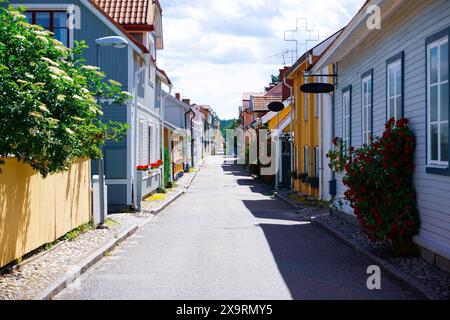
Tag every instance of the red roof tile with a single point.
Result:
(128, 12)
(261, 103)
(95, 3)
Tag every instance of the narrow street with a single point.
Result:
(227, 239)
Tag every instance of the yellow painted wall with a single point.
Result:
(272, 124)
(306, 132)
(177, 168)
(35, 211)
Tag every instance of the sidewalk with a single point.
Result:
(45, 274)
(412, 272)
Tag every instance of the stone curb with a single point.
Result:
(292, 203)
(77, 270)
(165, 205)
(397, 275)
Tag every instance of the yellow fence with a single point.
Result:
(35, 211)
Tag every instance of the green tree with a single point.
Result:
(48, 103)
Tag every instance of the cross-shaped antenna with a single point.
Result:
(301, 24)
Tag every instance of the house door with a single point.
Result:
(286, 162)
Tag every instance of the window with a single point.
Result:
(346, 116)
(316, 162)
(149, 144)
(54, 21)
(438, 100)
(318, 98)
(306, 160)
(141, 142)
(395, 87)
(367, 105)
(152, 75)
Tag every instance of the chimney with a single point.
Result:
(187, 101)
(178, 96)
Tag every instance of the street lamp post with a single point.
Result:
(115, 42)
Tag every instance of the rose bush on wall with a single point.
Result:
(379, 178)
(48, 98)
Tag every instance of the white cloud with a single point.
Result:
(217, 49)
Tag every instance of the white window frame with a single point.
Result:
(398, 96)
(438, 84)
(346, 118)
(367, 107)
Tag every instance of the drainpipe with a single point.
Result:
(136, 79)
(192, 133)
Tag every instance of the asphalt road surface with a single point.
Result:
(228, 239)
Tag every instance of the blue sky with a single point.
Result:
(217, 49)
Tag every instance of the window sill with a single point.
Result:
(443, 171)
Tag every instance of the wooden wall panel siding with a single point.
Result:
(35, 211)
(407, 32)
(117, 195)
(114, 62)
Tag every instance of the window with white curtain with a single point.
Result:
(438, 102)
(149, 144)
(346, 117)
(366, 98)
(395, 87)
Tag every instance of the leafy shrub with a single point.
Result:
(338, 155)
(48, 101)
(379, 178)
(167, 164)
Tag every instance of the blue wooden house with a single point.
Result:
(400, 68)
(140, 23)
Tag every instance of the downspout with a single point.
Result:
(136, 79)
(192, 133)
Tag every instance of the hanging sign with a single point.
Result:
(317, 88)
(275, 106)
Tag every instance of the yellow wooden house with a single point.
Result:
(308, 154)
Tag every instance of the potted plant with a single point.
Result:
(303, 176)
(143, 167)
(313, 182)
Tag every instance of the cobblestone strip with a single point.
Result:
(33, 276)
(47, 273)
